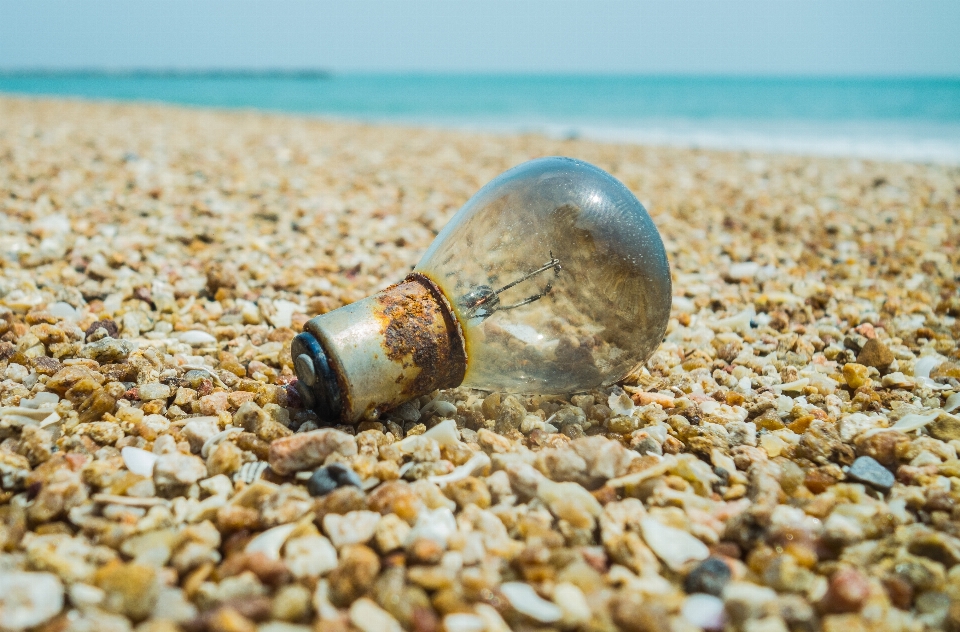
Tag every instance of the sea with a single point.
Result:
(910, 119)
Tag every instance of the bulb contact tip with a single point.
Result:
(316, 382)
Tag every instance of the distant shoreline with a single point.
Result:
(914, 119)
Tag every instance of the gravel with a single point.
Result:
(157, 467)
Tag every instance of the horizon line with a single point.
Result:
(325, 73)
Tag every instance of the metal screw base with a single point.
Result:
(316, 382)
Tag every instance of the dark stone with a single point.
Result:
(326, 479)
(876, 354)
(709, 576)
(107, 324)
(867, 470)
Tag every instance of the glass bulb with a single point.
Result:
(551, 279)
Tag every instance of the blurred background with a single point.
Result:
(874, 79)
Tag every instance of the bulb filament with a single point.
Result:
(483, 301)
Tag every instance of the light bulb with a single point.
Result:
(552, 279)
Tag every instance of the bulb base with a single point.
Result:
(361, 360)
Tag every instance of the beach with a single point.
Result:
(786, 460)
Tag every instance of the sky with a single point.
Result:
(696, 37)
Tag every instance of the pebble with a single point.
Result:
(434, 524)
(139, 461)
(867, 470)
(153, 390)
(572, 603)
(270, 541)
(107, 350)
(945, 427)
(199, 430)
(354, 527)
(704, 611)
(309, 449)
(367, 616)
(177, 469)
(197, 338)
(779, 349)
(463, 622)
(525, 600)
(709, 576)
(28, 599)
(674, 546)
(131, 589)
(856, 375)
(214, 403)
(326, 479)
(876, 354)
(847, 591)
(392, 533)
(310, 556)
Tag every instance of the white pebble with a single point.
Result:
(153, 390)
(576, 610)
(621, 404)
(674, 546)
(367, 616)
(743, 271)
(310, 556)
(525, 600)
(704, 611)
(271, 541)
(283, 314)
(197, 338)
(353, 527)
(462, 622)
(16, 372)
(139, 461)
(436, 524)
(28, 599)
(444, 433)
(62, 310)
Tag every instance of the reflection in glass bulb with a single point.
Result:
(551, 279)
(588, 316)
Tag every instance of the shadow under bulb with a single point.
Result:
(551, 279)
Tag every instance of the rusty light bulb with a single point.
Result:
(551, 279)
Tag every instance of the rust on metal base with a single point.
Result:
(421, 333)
(373, 355)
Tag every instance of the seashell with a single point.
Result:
(197, 338)
(924, 365)
(271, 541)
(737, 322)
(796, 385)
(215, 440)
(250, 472)
(908, 423)
(952, 403)
(476, 462)
(139, 461)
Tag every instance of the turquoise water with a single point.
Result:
(914, 119)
